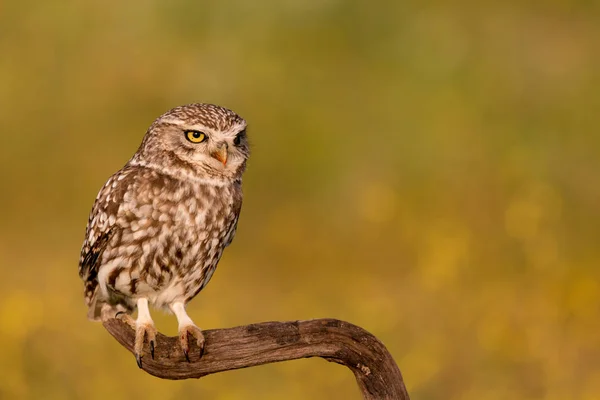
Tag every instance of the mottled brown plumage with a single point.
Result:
(159, 225)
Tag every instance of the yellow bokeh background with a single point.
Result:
(426, 170)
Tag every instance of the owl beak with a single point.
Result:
(220, 153)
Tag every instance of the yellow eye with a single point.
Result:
(195, 136)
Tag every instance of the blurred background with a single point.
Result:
(426, 170)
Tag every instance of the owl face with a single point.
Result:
(202, 139)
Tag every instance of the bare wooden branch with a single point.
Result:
(376, 372)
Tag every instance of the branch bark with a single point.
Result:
(376, 373)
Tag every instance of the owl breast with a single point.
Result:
(169, 237)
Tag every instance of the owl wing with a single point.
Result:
(101, 228)
(88, 265)
(237, 207)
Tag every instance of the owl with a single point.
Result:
(159, 225)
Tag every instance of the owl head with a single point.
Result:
(197, 140)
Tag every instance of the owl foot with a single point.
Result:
(184, 336)
(187, 328)
(145, 331)
(123, 316)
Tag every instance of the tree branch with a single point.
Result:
(376, 372)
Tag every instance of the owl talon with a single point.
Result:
(123, 316)
(201, 346)
(184, 338)
(152, 348)
(144, 332)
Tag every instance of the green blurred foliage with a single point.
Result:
(426, 170)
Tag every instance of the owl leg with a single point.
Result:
(186, 328)
(144, 330)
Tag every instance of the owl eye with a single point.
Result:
(238, 138)
(195, 136)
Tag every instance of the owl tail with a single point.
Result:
(95, 308)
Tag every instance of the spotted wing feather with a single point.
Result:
(100, 230)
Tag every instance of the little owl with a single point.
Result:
(159, 225)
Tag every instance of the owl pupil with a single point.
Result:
(196, 135)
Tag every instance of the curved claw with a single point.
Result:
(152, 348)
(185, 333)
(201, 345)
(144, 333)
